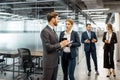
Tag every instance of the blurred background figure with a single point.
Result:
(89, 39)
(109, 39)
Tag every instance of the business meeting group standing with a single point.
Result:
(67, 45)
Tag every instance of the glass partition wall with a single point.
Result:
(23, 33)
(21, 23)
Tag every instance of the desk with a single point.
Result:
(37, 54)
(10, 54)
(14, 54)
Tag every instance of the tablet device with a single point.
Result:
(64, 39)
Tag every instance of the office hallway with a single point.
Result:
(81, 68)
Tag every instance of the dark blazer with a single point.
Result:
(112, 42)
(50, 46)
(88, 45)
(75, 44)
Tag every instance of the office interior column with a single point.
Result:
(117, 29)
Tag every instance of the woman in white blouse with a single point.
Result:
(69, 53)
(109, 39)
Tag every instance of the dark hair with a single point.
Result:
(110, 26)
(51, 15)
(69, 20)
(88, 24)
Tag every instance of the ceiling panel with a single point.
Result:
(39, 8)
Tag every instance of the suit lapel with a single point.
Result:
(72, 34)
(112, 36)
(63, 34)
(105, 35)
(56, 37)
(92, 35)
(87, 35)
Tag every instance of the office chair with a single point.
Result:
(2, 62)
(26, 61)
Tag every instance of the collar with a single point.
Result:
(109, 32)
(69, 32)
(51, 26)
(88, 31)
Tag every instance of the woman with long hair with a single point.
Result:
(109, 39)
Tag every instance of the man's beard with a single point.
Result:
(89, 30)
(55, 24)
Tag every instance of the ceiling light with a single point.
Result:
(3, 13)
(66, 11)
(104, 9)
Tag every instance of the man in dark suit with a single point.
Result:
(51, 45)
(89, 39)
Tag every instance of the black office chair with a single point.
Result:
(2, 62)
(26, 61)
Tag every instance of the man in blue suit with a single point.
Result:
(89, 39)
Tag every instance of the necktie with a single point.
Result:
(54, 31)
(55, 34)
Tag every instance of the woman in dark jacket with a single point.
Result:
(68, 59)
(109, 39)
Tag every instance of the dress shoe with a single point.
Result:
(89, 73)
(114, 75)
(97, 73)
(109, 74)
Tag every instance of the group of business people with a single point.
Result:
(67, 45)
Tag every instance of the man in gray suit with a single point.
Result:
(51, 45)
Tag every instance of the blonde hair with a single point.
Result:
(69, 20)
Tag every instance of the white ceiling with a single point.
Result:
(96, 10)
